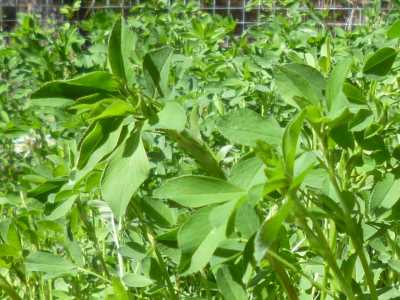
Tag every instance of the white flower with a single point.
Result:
(24, 144)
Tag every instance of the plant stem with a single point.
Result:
(301, 212)
(355, 238)
(150, 237)
(92, 235)
(94, 274)
(116, 242)
(8, 288)
(332, 242)
(283, 278)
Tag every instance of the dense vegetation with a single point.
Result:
(161, 156)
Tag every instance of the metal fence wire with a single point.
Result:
(244, 12)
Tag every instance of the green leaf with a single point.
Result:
(51, 102)
(198, 238)
(290, 141)
(119, 290)
(361, 121)
(385, 193)
(197, 191)
(246, 127)
(90, 142)
(342, 136)
(62, 209)
(117, 108)
(269, 231)
(198, 151)
(42, 191)
(295, 81)
(94, 148)
(247, 173)
(201, 257)
(161, 213)
(136, 280)
(127, 169)
(230, 289)
(394, 264)
(48, 263)
(194, 231)
(334, 85)
(84, 85)
(156, 66)
(247, 221)
(172, 116)
(8, 250)
(121, 47)
(353, 93)
(380, 62)
(394, 30)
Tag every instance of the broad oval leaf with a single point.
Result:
(136, 280)
(172, 117)
(248, 173)
(385, 193)
(197, 191)
(298, 81)
(394, 30)
(199, 237)
(48, 263)
(380, 62)
(127, 169)
(246, 127)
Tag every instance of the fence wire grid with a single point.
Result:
(245, 12)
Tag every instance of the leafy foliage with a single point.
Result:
(179, 161)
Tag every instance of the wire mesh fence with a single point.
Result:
(244, 12)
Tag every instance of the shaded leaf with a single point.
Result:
(199, 151)
(156, 65)
(230, 289)
(290, 141)
(380, 62)
(269, 231)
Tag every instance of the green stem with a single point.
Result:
(283, 278)
(332, 242)
(355, 238)
(91, 232)
(147, 232)
(8, 288)
(94, 274)
(319, 238)
(277, 257)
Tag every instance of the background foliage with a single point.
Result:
(162, 156)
